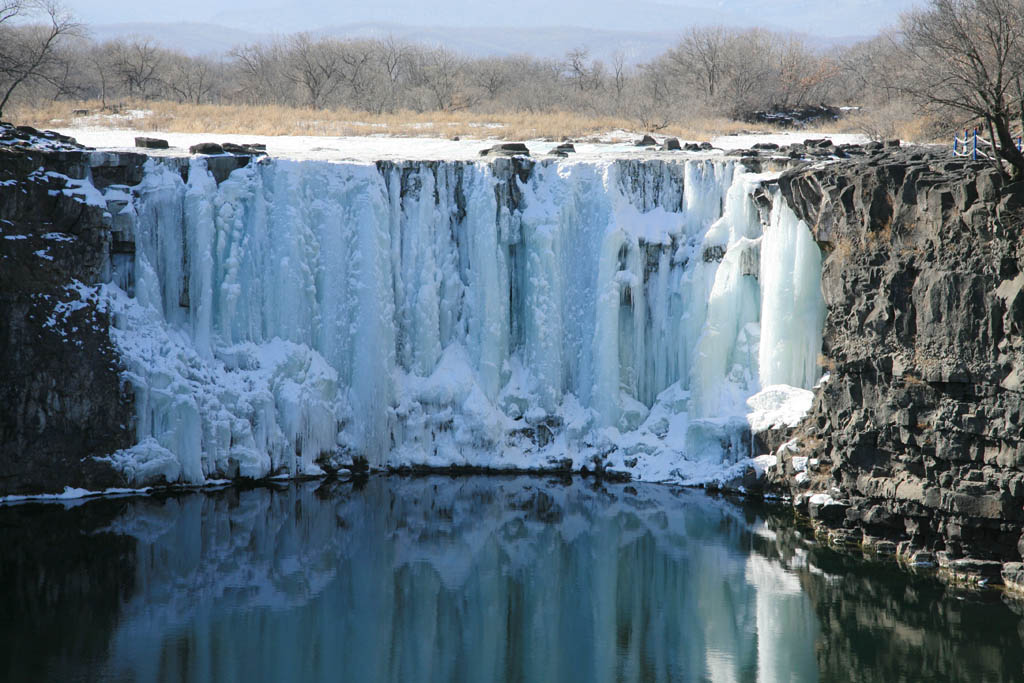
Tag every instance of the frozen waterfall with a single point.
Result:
(500, 314)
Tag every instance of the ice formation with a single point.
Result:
(497, 314)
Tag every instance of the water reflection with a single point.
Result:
(472, 579)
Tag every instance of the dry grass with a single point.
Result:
(279, 120)
(897, 120)
(826, 363)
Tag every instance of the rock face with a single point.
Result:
(793, 117)
(151, 143)
(60, 392)
(916, 436)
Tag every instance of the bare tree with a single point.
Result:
(31, 52)
(359, 74)
(393, 58)
(968, 56)
(803, 77)
(620, 75)
(260, 69)
(316, 67)
(9, 9)
(582, 75)
(491, 75)
(711, 71)
(700, 57)
(100, 60)
(651, 102)
(190, 79)
(136, 62)
(439, 72)
(870, 71)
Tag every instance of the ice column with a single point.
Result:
(497, 314)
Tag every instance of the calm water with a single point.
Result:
(470, 579)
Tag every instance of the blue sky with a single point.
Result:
(830, 18)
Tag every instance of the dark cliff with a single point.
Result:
(916, 435)
(62, 398)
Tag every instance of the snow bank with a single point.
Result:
(372, 148)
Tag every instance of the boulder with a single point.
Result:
(506, 149)
(818, 143)
(1013, 576)
(822, 508)
(671, 145)
(151, 143)
(646, 141)
(206, 148)
(246, 149)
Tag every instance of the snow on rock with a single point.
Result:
(370, 148)
(748, 140)
(777, 406)
(592, 312)
(763, 463)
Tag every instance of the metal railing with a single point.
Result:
(973, 146)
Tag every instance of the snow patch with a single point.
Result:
(778, 406)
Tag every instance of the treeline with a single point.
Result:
(710, 72)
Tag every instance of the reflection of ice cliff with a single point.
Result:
(435, 579)
(492, 314)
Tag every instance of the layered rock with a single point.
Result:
(916, 435)
(59, 377)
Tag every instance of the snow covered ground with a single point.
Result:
(380, 147)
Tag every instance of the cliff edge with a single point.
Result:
(63, 402)
(914, 442)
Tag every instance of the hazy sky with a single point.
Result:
(819, 17)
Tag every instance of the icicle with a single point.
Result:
(300, 314)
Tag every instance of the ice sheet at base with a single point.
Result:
(504, 315)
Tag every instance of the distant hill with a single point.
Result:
(637, 46)
(824, 18)
(189, 37)
(832, 18)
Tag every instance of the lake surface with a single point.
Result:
(468, 579)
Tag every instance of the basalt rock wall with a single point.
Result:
(915, 437)
(60, 390)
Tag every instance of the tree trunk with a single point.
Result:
(1007, 148)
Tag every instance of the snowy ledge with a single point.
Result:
(73, 496)
(373, 148)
